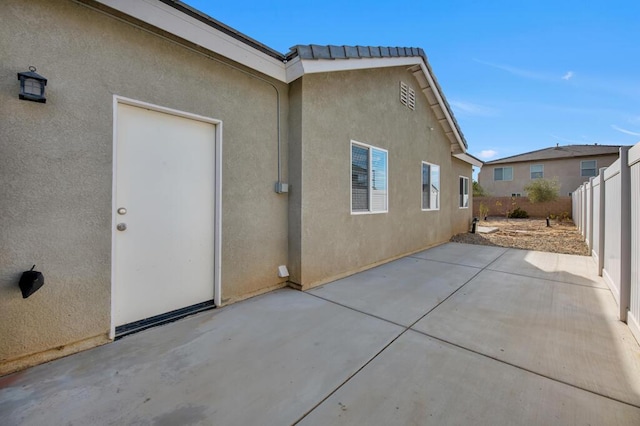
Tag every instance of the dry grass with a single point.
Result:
(529, 234)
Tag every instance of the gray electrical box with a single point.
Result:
(282, 187)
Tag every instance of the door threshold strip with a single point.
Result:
(137, 326)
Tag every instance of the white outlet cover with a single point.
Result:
(283, 271)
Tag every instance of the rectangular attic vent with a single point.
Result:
(407, 96)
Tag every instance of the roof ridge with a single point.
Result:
(553, 148)
(517, 155)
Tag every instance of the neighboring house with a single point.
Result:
(178, 165)
(571, 165)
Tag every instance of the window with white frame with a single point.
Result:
(368, 179)
(464, 192)
(588, 168)
(503, 173)
(536, 171)
(430, 186)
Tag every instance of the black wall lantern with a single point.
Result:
(32, 86)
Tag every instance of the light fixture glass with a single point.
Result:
(32, 86)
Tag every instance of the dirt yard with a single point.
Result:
(530, 234)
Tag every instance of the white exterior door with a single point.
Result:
(165, 197)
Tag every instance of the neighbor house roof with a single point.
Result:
(558, 152)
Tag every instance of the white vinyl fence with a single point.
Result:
(606, 210)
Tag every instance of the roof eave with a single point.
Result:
(180, 20)
(468, 158)
(187, 23)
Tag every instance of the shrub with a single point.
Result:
(484, 210)
(478, 191)
(518, 213)
(541, 190)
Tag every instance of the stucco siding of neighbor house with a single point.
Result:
(56, 167)
(566, 170)
(364, 106)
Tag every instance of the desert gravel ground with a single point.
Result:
(529, 234)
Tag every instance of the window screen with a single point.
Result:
(430, 186)
(368, 179)
(537, 171)
(359, 178)
(588, 168)
(464, 192)
(503, 173)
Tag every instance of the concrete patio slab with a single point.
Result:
(563, 331)
(401, 291)
(421, 381)
(265, 361)
(566, 268)
(494, 348)
(487, 229)
(462, 254)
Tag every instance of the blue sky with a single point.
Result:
(520, 75)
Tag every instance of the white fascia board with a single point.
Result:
(298, 67)
(294, 69)
(175, 22)
(443, 105)
(469, 159)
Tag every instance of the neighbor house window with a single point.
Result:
(430, 186)
(503, 173)
(464, 192)
(588, 168)
(516, 194)
(368, 179)
(537, 171)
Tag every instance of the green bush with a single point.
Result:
(484, 210)
(518, 213)
(478, 191)
(541, 190)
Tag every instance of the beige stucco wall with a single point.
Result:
(56, 167)
(566, 170)
(295, 180)
(364, 106)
